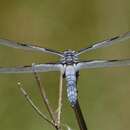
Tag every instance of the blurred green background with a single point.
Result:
(62, 24)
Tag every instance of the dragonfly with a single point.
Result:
(69, 64)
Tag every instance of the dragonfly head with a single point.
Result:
(69, 57)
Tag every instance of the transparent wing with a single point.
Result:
(30, 69)
(26, 46)
(102, 63)
(105, 43)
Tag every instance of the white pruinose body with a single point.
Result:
(70, 75)
(69, 64)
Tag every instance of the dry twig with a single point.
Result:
(33, 105)
(43, 94)
(60, 99)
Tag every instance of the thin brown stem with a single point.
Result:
(79, 116)
(43, 94)
(60, 99)
(29, 100)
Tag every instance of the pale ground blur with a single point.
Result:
(62, 24)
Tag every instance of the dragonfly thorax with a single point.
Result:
(69, 57)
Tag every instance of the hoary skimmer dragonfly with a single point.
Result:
(69, 64)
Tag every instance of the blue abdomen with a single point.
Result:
(71, 85)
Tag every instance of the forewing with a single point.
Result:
(105, 43)
(26, 46)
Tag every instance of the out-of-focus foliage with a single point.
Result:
(61, 24)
